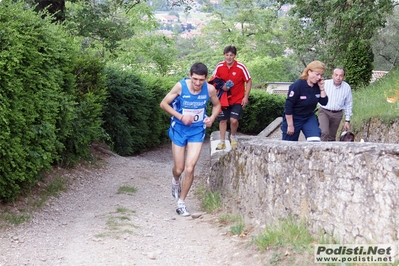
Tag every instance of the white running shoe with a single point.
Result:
(182, 210)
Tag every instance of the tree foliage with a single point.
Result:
(247, 24)
(386, 44)
(254, 28)
(150, 53)
(100, 25)
(55, 7)
(330, 30)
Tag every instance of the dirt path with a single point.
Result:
(91, 224)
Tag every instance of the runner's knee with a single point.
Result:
(189, 169)
(178, 170)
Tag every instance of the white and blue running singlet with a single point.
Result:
(191, 104)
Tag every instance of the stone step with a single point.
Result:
(214, 141)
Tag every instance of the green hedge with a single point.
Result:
(132, 117)
(50, 98)
(32, 57)
(261, 110)
(84, 124)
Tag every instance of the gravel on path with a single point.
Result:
(92, 224)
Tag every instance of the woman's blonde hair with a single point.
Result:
(314, 66)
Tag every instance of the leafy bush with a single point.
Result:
(35, 57)
(160, 120)
(359, 64)
(85, 125)
(261, 110)
(132, 117)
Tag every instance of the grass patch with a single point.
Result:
(200, 190)
(53, 189)
(124, 210)
(228, 219)
(288, 232)
(34, 199)
(237, 226)
(371, 101)
(211, 201)
(7, 218)
(127, 190)
(115, 223)
(287, 243)
(118, 223)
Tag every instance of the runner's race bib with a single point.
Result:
(198, 114)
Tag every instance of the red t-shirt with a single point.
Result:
(238, 73)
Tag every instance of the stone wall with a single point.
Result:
(347, 190)
(376, 130)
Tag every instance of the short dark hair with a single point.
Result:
(347, 136)
(230, 48)
(199, 69)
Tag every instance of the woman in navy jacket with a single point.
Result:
(302, 98)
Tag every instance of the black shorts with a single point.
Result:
(233, 111)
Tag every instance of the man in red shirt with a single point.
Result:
(236, 74)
